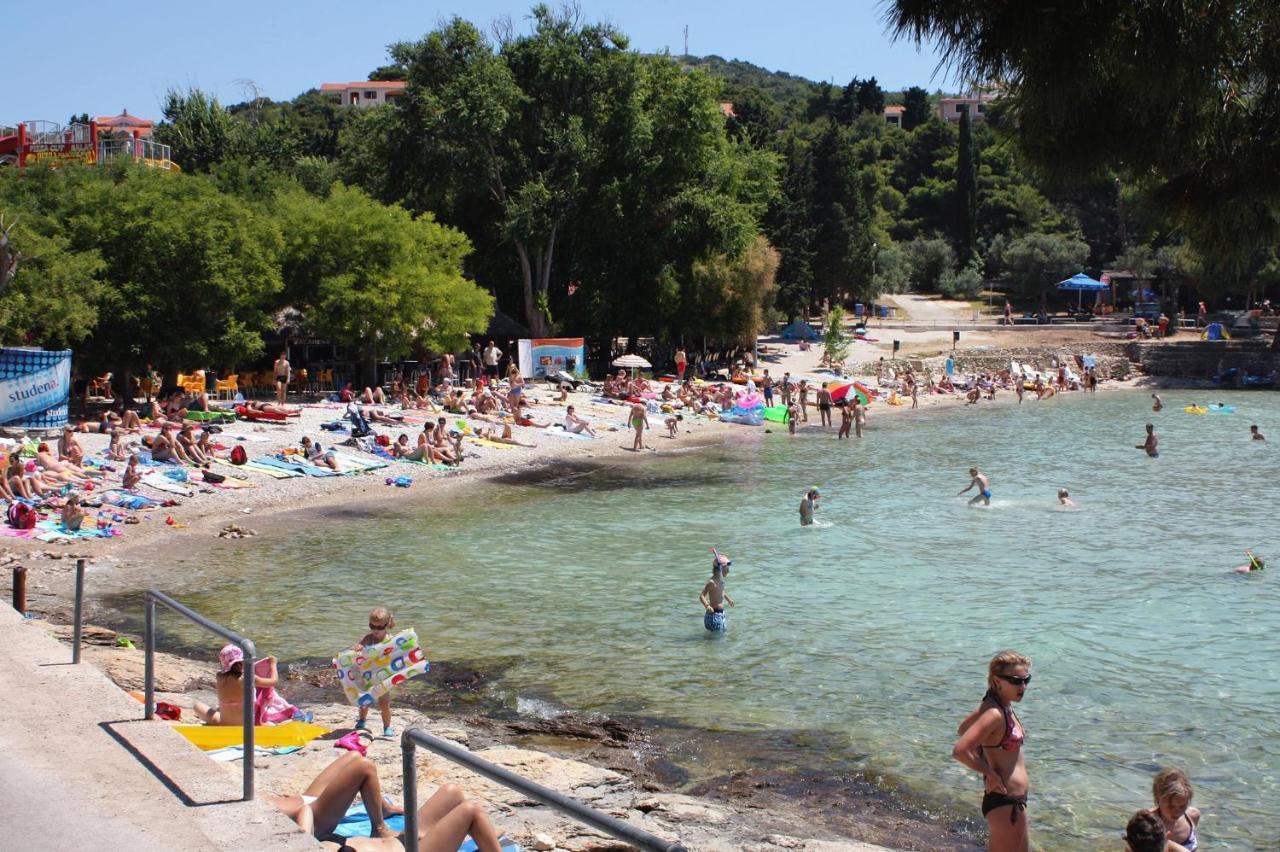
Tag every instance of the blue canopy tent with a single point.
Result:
(1080, 283)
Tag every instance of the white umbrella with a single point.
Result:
(634, 362)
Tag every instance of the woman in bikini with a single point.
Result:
(444, 821)
(990, 743)
(1172, 792)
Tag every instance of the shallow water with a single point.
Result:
(870, 633)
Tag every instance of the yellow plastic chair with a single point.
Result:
(229, 386)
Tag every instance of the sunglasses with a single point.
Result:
(1015, 680)
(373, 626)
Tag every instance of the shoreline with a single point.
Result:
(804, 798)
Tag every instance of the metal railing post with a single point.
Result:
(250, 693)
(585, 814)
(246, 646)
(149, 676)
(409, 767)
(75, 635)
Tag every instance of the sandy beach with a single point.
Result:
(622, 758)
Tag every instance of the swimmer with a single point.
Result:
(793, 414)
(1172, 792)
(1064, 499)
(714, 596)
(673, 423)
(1257, 436)
(1151, 445)
(1255, 563)
(984, 487)
(809, 505)
(1145, 833)
(1157, 405)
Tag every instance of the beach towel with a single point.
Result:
(354, 464)
(54, 530)
(210, 416)
(485, 442)
(160, 482)
(270, 707)
(232, 753)
(273, 472)
(231, 483)
(7, 531)
(356, 824)
(128, 500)
(560, 432)
(210, 737)
(294, 465)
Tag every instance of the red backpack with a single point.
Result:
(22, 516)
(238, 455)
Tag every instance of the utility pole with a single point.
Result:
(686, 41)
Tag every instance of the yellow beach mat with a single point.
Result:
(485, 442)
(210, 737)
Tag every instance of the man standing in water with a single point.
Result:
(979, 479)
(1151, 445)
(1257, 436)
(1157, 405)
(639, 422)
(846, 420)
(809, 505)
(714, 596)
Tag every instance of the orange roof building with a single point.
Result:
(139, 128)
(363, 93)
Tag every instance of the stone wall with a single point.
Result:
(1113, 359)
(1203, 359)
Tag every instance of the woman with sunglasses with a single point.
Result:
(990, 743)
(380, 624)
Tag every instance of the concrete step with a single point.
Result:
(81, 770)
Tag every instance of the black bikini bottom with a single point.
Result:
(991, 801)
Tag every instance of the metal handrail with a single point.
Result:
(153, 597)
(611, 826)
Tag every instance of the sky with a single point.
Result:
(72, 56)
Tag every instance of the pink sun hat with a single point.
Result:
(229, 656)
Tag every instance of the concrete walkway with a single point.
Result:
(81, 770)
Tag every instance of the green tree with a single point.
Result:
(200, 130)
(373, 277)
(733, 292)
(966, 226)
(53, 300)
(932, 263)
(1187, 92)
(916, 112)
(835, 343)
(191, 272)
(1037, 262)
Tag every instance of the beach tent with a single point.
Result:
(799, 330)
(1080, 283)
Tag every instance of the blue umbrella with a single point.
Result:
(1081, 282)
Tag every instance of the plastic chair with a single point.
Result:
(99, 384)
(194, 383)
(229, 386)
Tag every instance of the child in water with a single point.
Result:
(380, 624)
(714, 596)
(1255, 563)
(1064, 499)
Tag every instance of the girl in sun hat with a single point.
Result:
(230, 683)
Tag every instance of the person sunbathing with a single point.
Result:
(317, 455)
(187, 442)
(444, 821)
(165, 448)
(503, 437)
(28, 480)
(132, 474)
(72, 514)
(69, 448)
(62, 470)
(116, 450)
(945, 385)
(270, 408)
(373, 396)
(230, 685)
(401, 449)
(574, 424)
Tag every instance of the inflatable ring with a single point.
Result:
(1196, 409)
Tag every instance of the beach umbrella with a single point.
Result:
(1080, 283)
(633, 362)
(840, 393)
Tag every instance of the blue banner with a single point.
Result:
(34, 388)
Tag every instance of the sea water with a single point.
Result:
(866, 638)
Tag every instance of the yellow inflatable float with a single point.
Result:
(210, 737)
(1196, 409)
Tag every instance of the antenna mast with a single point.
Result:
(686, 41)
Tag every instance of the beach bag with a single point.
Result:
(383, 441)
(21, 516)
(238, 455)
(210, 476)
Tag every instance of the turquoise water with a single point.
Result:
(871, 633)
